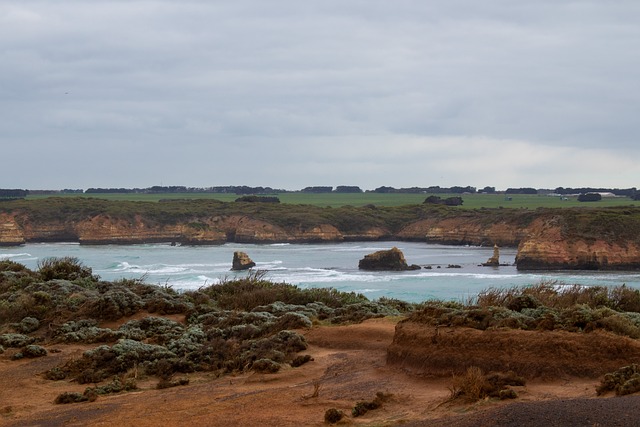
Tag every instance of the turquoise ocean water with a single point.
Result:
(316, 265)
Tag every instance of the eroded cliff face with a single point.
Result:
(546, 247)
(463, 231)
(48, 231)
(10, 232)
(103, 229)
(543, 242)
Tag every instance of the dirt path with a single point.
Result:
(348, 366)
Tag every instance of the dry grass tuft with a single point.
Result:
(475, 385)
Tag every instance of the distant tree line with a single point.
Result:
(524, 190)
(428, 190)
(160, 189)
(248, 190)
(6, 193)
(329, 189)
(628, 192)
(258, 199)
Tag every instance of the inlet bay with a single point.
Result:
(316, 265)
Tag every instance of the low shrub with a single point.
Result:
(117, 385)
(71, 397)
(114, 304)
(164, 383)
(254, 290)
(55, 374)
(363, 407)
(333, 415)
(65, 268)
(625, 380)
(301, 360)
(32, 351)
(15, 267)
(28, 325)
(265, 366)
(15, 340)
(86, 331)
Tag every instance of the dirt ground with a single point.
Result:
(349, 366)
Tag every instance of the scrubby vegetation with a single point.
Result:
(252, 323)
(243, 324)
(625, 380)
(545, 306)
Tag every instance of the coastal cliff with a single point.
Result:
(551, 244)
(10, 232)
(464, 231)
(546, 238)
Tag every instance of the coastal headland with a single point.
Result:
(546, 238)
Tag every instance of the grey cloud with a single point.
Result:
(178, 83)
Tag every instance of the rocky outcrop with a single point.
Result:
(549, 247)
(241, 261)
(389, 260)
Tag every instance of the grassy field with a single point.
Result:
(471, 201)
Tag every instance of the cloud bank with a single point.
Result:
(289, 94)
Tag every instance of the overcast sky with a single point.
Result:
(290, 93)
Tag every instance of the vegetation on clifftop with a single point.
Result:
(610, 224)
(348, 219)
(545, 306)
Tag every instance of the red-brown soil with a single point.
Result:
(349, 366)
(426, 350)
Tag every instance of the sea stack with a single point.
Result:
(389, 260)
(241, 261)
(494, 261)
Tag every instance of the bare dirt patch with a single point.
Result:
(349, 365)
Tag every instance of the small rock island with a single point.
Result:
(241, 261)
(387, 260)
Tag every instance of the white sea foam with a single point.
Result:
(151, 269)
(314, 265)
(362, 249)
(474, 275)
(9, 256)
(368, 291)
(192, 283)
